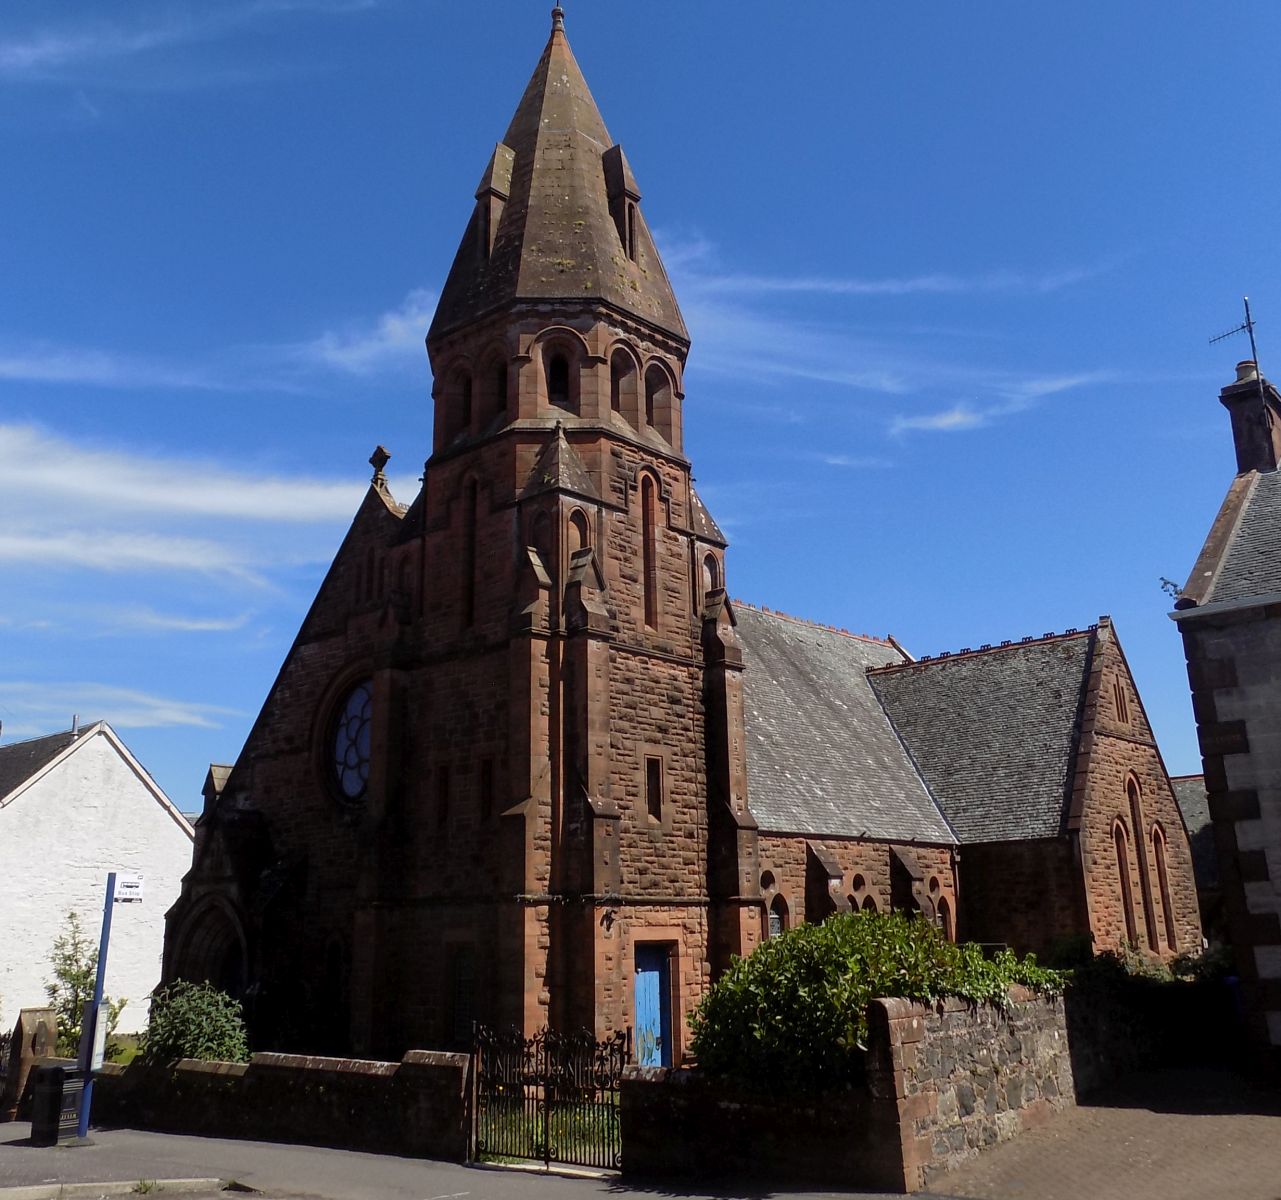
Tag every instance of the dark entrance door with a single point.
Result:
(653, 1039)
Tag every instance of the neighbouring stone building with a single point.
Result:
(527, 762)
(74, 806)
(1229, 614)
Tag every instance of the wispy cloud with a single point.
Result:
(37, 707)
(101, 550)
(935, 284)
(46, 362)
(392, 341)
(853, 462)
(1019, 396)
(147, 620)
(55, 52)
(104, 479)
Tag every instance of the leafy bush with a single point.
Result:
(793, 1015)
(74, 959)
(1212, 965)
(194, 1020)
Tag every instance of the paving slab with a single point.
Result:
(1171, 1135)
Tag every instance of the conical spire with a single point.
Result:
(557, 214)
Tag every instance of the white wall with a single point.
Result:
(91, 814)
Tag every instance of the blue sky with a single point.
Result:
(949, 270)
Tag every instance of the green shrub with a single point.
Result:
(194, 1020)
(793, 1015)
(74, 962)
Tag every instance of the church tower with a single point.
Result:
(566, 530)
(502, 774)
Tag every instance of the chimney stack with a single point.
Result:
(1255, 408)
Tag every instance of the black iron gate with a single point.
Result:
(552, 1097)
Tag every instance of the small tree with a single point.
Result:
(74, 960)
(194, 1020)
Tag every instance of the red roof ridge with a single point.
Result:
(987, 648)
(774, 612)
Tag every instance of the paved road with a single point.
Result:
(1168, 1136)
(305, 1171)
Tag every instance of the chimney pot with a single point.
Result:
(1246, 370)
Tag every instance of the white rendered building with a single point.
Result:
(74, 806)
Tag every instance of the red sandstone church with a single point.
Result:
(527, 762)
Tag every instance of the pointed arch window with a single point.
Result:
(622, 385)
(1163, 882)
(777, 916)
(945, 919)
(649, 550)
(1119, 842)
(579, 531)
(1135, 796)
(658, 401)
(470, 503)
(631, 231)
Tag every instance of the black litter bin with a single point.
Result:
(55, 1104)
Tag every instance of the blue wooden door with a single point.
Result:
(653, 1007)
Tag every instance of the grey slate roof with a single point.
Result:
(21, 760)
(1189, 791)
(822, 759)
(994, 732)
(1251, 565)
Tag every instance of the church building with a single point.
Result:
(526, 762)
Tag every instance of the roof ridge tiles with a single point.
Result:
(985, 648)
(774, 612)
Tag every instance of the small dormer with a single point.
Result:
(624, 196)
(492, 195)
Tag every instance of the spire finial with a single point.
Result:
(378, 460)
(558, 19)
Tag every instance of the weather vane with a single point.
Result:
(1247, 326)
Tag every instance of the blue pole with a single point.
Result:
(91, 1020)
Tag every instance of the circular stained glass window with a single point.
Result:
(352, 741)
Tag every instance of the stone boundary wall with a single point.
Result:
(417, 1106)
(943, 1082)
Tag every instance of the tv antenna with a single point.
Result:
(1247, 326)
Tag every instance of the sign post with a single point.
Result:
(124, 887)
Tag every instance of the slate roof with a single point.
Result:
(822, 759)
(1251, 563)
(1194, 803)
(994, 732)
(557, 238)
(19, 761)
(704, 525)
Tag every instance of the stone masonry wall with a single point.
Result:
(1234, 666)
(417, 1106)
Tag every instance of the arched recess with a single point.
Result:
(624, 385)
(1134, 794)
(579, 530)
(945, 919)
(493, 391)
(561, 353)
(869, 904)
(1163, 882)
(213, 947)
(711, 573)
(659, 411)
(1120, 842)
(459, 401)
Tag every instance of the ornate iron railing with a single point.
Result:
(552, 1097)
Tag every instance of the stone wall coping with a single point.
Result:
(436, 1058)
(312, 1062)
(200, 1066)
(897, 1008)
